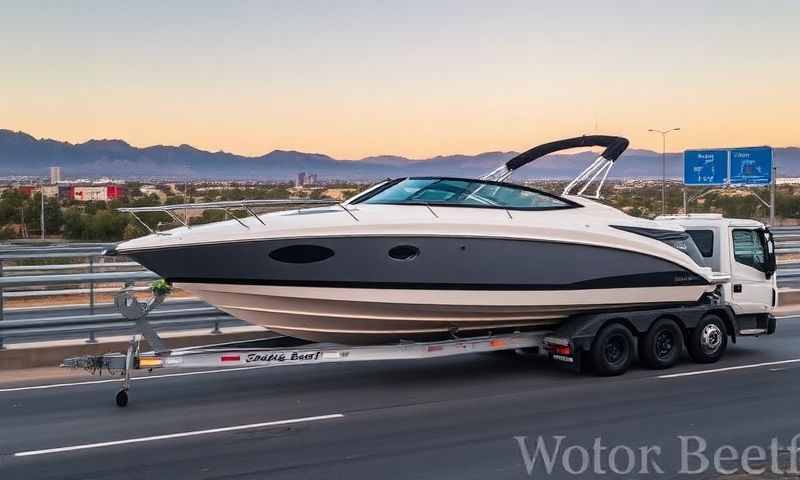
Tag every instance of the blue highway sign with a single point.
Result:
(751, 166)
(705, 167)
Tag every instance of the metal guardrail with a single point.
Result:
(109, 322)
(76, 278)
(32, 274)
(23, 253)
(787, 240)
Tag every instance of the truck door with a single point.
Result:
(752, 270)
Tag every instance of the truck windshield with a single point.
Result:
(466, 193)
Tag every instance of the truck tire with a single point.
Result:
(708, 340)
(612, 350)
(662, 345)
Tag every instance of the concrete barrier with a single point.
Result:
(789, 296)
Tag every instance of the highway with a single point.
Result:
(447, 418)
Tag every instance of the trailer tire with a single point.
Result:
(122, 398)
(708, 340)
(612, 350)
(662, 345)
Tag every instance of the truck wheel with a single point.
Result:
(662, 345)
(612, 350)
(708, 340)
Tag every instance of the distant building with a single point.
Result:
(311, 179)
(153, 190)
(26, 190)
(787, 181)
(114, 192)
(55, 175)
(104, 193)
(301, 179)
(65, 192)
(50, 191)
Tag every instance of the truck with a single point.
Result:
(742, 249)
(605, 342)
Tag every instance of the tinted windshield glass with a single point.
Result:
(687, 246)
(445, 191)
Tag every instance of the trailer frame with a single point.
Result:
(571, 343)
(235, 356)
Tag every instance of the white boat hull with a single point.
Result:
(370, 316)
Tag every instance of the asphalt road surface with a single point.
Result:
(462, 417)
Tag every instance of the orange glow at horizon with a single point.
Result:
(417, 80)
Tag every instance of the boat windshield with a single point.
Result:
(465, 193)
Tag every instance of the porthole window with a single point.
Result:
(404, 252)
(301, 254)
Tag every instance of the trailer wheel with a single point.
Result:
(662, 345)
(122, 398)
(708, 340)
(612, 350)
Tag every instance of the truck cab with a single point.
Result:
(743, 249)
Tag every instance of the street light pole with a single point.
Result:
(42, 212)
(663, 165)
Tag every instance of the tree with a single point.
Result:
(74, 224)
(53, 217)
(105, 225)
(132, 231)
(7, 233)
(208, 216)
(10, 203)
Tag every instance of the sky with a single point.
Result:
(415, 78)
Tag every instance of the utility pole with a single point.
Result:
(772, 196)
(23, 228)
(186, 190)
(685, 203)
(42, 213)
(663, 165)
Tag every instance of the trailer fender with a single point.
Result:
(580, 330)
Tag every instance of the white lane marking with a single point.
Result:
(178, 435)
(149, 377)
(727, 369)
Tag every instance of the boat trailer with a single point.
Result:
(240, 356)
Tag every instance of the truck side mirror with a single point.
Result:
(771, 264)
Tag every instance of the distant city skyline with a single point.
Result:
(417, 79)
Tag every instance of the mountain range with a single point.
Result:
(23, 155)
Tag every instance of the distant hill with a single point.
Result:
(22, 154)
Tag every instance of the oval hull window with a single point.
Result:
(404, 252)
(301, 254)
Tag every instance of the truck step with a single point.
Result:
(753, 331)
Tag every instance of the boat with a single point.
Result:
(431, 257)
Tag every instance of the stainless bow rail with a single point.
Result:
(230, 207)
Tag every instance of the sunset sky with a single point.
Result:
(352, 79)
